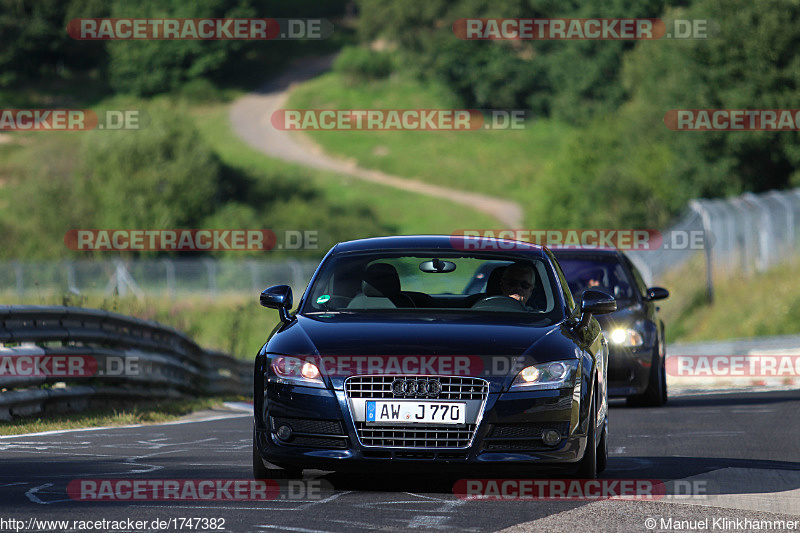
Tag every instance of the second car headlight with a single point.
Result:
(552, 375)
(626, 337)
(296, 371)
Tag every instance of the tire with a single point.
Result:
(588, 466)
(260, 470)
(655, 395)
(602, 449)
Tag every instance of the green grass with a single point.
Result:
(761, 305)
(408, 213)
(152, 413)
(503, 163)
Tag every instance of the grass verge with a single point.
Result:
(503, 163)
(403, 212)
(764, 304)
(151, 413)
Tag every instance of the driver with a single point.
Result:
(593, 278)
(517, 281)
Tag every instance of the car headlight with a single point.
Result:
(544, 376)
(297, 371)
(626, 337)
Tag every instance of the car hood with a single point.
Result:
(489, 346)
(622, 317)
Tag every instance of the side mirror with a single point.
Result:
(656, 293)
(595, 303)
(278, 297)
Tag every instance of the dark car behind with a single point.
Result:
(635, 332)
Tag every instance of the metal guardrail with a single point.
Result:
(67, 358)
(150, 277)
(744, 235)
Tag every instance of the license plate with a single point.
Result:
(416, 412)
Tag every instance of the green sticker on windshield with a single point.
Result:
(324, 298)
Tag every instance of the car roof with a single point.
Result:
(610, 252)
(440, 242)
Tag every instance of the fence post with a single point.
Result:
(71, 276)
(766, 236)
(254, 277)
(212, 275)
(170, 271)
(19, 272)
(730, 248)
(701, 209)
(746, 237)
(297, 276)
(787, 205)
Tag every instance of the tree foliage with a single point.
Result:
(622, 165)
(568, 79)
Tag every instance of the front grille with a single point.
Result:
(311, 433)
(517, 445)
(527, 431)
(434, 436)
(404, 436)
(318, 442)
(305, 425)
(453, 388)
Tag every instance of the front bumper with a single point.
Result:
(506, 433)
(628, 370)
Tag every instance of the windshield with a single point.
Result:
(603, 273)
(421, 283)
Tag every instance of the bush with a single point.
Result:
(155, 66)
(359, 62)
(162, 176)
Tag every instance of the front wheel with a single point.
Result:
(602, 449)
(589, 465)
(656, 393)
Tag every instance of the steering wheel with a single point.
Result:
(499, 303)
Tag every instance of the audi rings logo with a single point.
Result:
(416, 387)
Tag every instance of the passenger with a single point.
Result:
(593, 278)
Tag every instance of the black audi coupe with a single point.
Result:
(637, 353)
(387, 363)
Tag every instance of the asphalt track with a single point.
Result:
(739, 452)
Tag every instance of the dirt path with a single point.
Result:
(250, 119)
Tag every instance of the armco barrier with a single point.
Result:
(127, 359)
